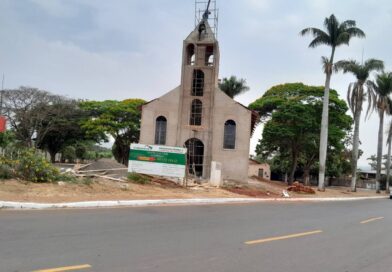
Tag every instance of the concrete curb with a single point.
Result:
(156, 202)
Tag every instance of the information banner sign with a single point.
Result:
(157, 160)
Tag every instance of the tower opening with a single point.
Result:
(195, 155)
(196, 113)
(209, 57)
(198, 83)
(190, 51)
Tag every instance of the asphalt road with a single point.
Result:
(278, 237)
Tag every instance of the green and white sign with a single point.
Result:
(157, 160)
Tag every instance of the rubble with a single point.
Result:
(300, 188)
(102, 168)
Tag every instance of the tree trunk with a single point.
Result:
(52, 156)
(306, 176)
(354, 160)
(324, 125)
(293, 167)
(379, 150)
(388, 166)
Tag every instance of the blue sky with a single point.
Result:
(98, 49)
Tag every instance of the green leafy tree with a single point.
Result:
(335, 35)
(356, 95)
(119, 119)
(233, 86)
(292, 113)
(61, 127)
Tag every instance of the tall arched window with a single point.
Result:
(229, 135)
(198, 83)
(209, 60)
(190, 51)
(160, 130)
(196, 113)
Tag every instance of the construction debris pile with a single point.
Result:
(102, 168)
(300, 188)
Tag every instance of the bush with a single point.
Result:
(33, 167)
(6, 172)
(6, 168)
(68, 154)
(138, 178)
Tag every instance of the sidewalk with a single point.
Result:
(158, 202)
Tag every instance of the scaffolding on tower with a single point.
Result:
(201, 7)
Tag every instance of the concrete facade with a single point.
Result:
(261, 170)
(201, 54)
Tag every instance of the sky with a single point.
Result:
(118, 49)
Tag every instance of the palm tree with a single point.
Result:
(389, 142)
(356, 95)
(233, 86)
(382, 88)
(336, 34)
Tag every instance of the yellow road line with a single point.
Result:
(65, 268)
(283, 237)
(371, 220)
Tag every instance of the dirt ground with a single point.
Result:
(276, 188)
(103, 189)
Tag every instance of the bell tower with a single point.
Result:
(199, 82)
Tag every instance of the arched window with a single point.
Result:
(196, 112)
(209, 60)
(198, 83)
(190, 52)
(160, 130)
(229, 135)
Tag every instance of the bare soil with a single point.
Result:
(277, 187)
(101, 189)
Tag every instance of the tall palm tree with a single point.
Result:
(382, 88)
(356, 95)
(233, 86)
(336, 34)
(389, 143)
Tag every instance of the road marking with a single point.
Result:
(296, 235)
(65, 268)
(371, 220)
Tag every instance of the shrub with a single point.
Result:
(6, 168)
(33, 167)
(68, 154)
(138, 178)
(6, 172)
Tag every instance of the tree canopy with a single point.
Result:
(292, 114)
(119, 119)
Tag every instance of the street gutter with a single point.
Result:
(158, 202)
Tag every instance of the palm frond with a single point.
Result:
(326, 64)
(348, 23)
(350, 97)
(347, 66)
(356, 32)
(319, 40)
(389, 138)
(373, 65)
(371, 99)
